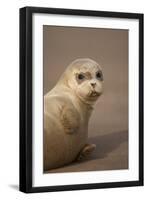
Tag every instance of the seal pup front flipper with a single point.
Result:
(86, 150)
(70, 120)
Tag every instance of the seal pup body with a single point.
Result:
(67, 109)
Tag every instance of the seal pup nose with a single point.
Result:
(93, 85)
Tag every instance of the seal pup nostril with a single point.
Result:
(93, 85)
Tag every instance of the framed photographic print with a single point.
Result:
(81, 99)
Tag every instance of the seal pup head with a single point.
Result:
(85, 78)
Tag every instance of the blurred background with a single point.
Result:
(108, 127)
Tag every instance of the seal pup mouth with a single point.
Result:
(94, 93)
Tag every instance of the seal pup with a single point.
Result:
(67, 109)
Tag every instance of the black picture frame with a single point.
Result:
(26, 98)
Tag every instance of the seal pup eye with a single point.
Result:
(99, 75)
(81, 76)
